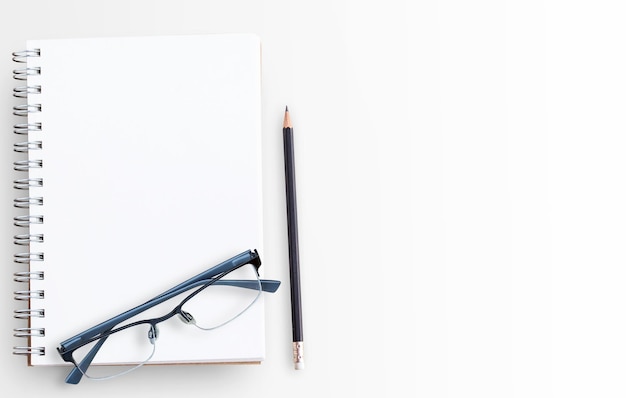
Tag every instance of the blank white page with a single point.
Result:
(152, 174)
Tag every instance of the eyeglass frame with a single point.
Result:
(212, 276)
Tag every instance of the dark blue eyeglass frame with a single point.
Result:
(212, 276)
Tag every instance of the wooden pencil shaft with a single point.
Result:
(292, 232)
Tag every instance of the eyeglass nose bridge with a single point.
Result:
(186, 317)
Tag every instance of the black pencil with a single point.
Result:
(292, 233)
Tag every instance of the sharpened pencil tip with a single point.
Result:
(286, 108)
(287, 120)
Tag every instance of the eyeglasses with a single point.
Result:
(134, 343)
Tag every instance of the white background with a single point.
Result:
(460, 171)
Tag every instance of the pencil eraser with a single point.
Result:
(298, 355)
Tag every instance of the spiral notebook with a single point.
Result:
(141, 168)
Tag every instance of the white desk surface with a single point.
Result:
(461, 190)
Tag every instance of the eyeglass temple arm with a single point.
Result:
(267, 285)
(77, 372)
(247, 257)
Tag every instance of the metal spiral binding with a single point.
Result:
(27, 276)
(28, 295)
(27, 146)
(24, 110)
(27, 183)
(24, 128)
(25, 221)
(27, 202)
(25, 239)
(29, 350)
(23, 91)
(27, 257)
(29, 332)
(29, 313)
(24, 165)
(21, 56)
(23, 73)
